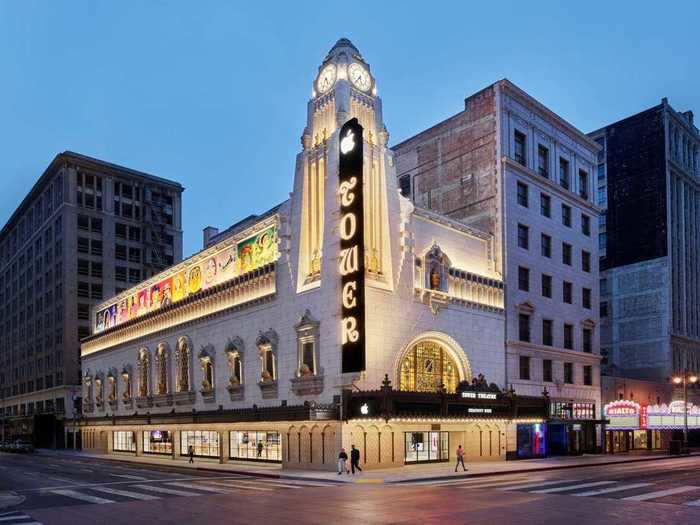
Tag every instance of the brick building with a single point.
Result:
(510, 166)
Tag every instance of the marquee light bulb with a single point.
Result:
(677, 380)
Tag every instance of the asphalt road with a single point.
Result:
(63, 490)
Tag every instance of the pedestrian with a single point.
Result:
(260, 448)
(342, 462)
(190, 453)
(355, 459)
(460, 458)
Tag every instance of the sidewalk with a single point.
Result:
(408, 473)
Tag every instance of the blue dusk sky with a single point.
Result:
(213, 94)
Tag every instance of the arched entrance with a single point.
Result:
(432, 360)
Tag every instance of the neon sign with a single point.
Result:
(351, 262)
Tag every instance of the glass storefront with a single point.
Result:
(531, 441)
(255, 445)
(157, 442)
(427, 446)
(123, 441)
(204, 442)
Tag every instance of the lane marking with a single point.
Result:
(164, 490)
(62, 480)
(16, 517)
(695, 503)
(197, 486)
(613, 489)
(537, 484)
(472, 481)
(125, 493)
(571, 487)
(80, 496)
(241, 485)
(127, 476)
(661, 493)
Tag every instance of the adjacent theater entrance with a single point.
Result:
(427, 447)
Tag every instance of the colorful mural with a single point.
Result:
(247, 255)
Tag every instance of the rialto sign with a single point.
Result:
(351, 263)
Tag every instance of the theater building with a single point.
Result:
(343, 315)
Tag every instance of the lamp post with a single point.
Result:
(685, 379)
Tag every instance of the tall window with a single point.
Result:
(586, 298)
(569, 373)
(547, 332)
(585, 261)
(545, 205)
(568, 336)
(587, 340)
(525, 367)
(546, 285)
(543, 160)
(144, 373)
(523, 279)
(564, 181)
(566, 215)
(523, 236)
(162, 369)
(547, 370)
(585, 224)
(123, 441)
(583, 184)
(567, 292)
(588, 375)
(519, 148)
(524, 327)
(566, 253)
(545, 245)
(522, 194)
(427, 366)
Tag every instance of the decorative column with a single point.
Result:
(224, 446)
(176, 443)
(138, 438)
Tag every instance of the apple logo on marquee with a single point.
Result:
(347, 143)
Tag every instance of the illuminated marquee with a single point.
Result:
(190, 278)
(351, 262)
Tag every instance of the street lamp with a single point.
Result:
(685, 379)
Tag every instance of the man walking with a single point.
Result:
(190, 452)
(354, 459)
(460, 458)
(342, 460)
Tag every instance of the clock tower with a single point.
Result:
(344, 88)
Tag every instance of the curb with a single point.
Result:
(540, 469)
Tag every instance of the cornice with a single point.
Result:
(556, 351)
(451, 223)
(551, 185)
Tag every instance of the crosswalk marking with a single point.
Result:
(572, 487)
(619, 488)
(83, 497)
(15, 517)
(492, 484)
(164, 490)
(661, 493)
(125, 493)
(695, 503)
(537, 484)
(198, 486)
(127, 476)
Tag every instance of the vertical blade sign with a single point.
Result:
(351, 263)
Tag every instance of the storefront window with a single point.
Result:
(204, 442)
(427, 446)
(427, 366)
(531, 440)
(157, 442)
(123, 441)
(255, 445)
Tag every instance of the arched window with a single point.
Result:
(183, 357)
(144, 364)
(234, 355)
(206, 361)
(426, 366)
(126, 378)
(267, 350)
(98, 389)
(162, 369)
(88, 396)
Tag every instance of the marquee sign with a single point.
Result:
(623, 415)
(190, 277)
(628, 415)
(351, 263)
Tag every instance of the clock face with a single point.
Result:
(359, 76)
(326, 78)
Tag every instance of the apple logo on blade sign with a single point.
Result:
(347, 143)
